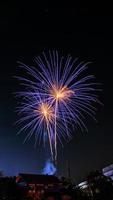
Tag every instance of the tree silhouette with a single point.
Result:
(101, 187)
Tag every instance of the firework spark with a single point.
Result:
(60, 94)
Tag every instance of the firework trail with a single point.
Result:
(56, 94)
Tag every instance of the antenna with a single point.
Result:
(68, 169)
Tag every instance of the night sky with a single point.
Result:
(84, 31)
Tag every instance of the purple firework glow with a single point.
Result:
(56, 95)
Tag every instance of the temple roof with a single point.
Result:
(39, 179)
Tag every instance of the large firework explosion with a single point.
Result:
(56, 96)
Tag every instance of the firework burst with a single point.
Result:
(57, 95)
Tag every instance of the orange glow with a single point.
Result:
(61, 93)
(46, 111)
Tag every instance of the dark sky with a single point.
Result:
(85, 31)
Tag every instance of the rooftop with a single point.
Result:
(39, 179)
